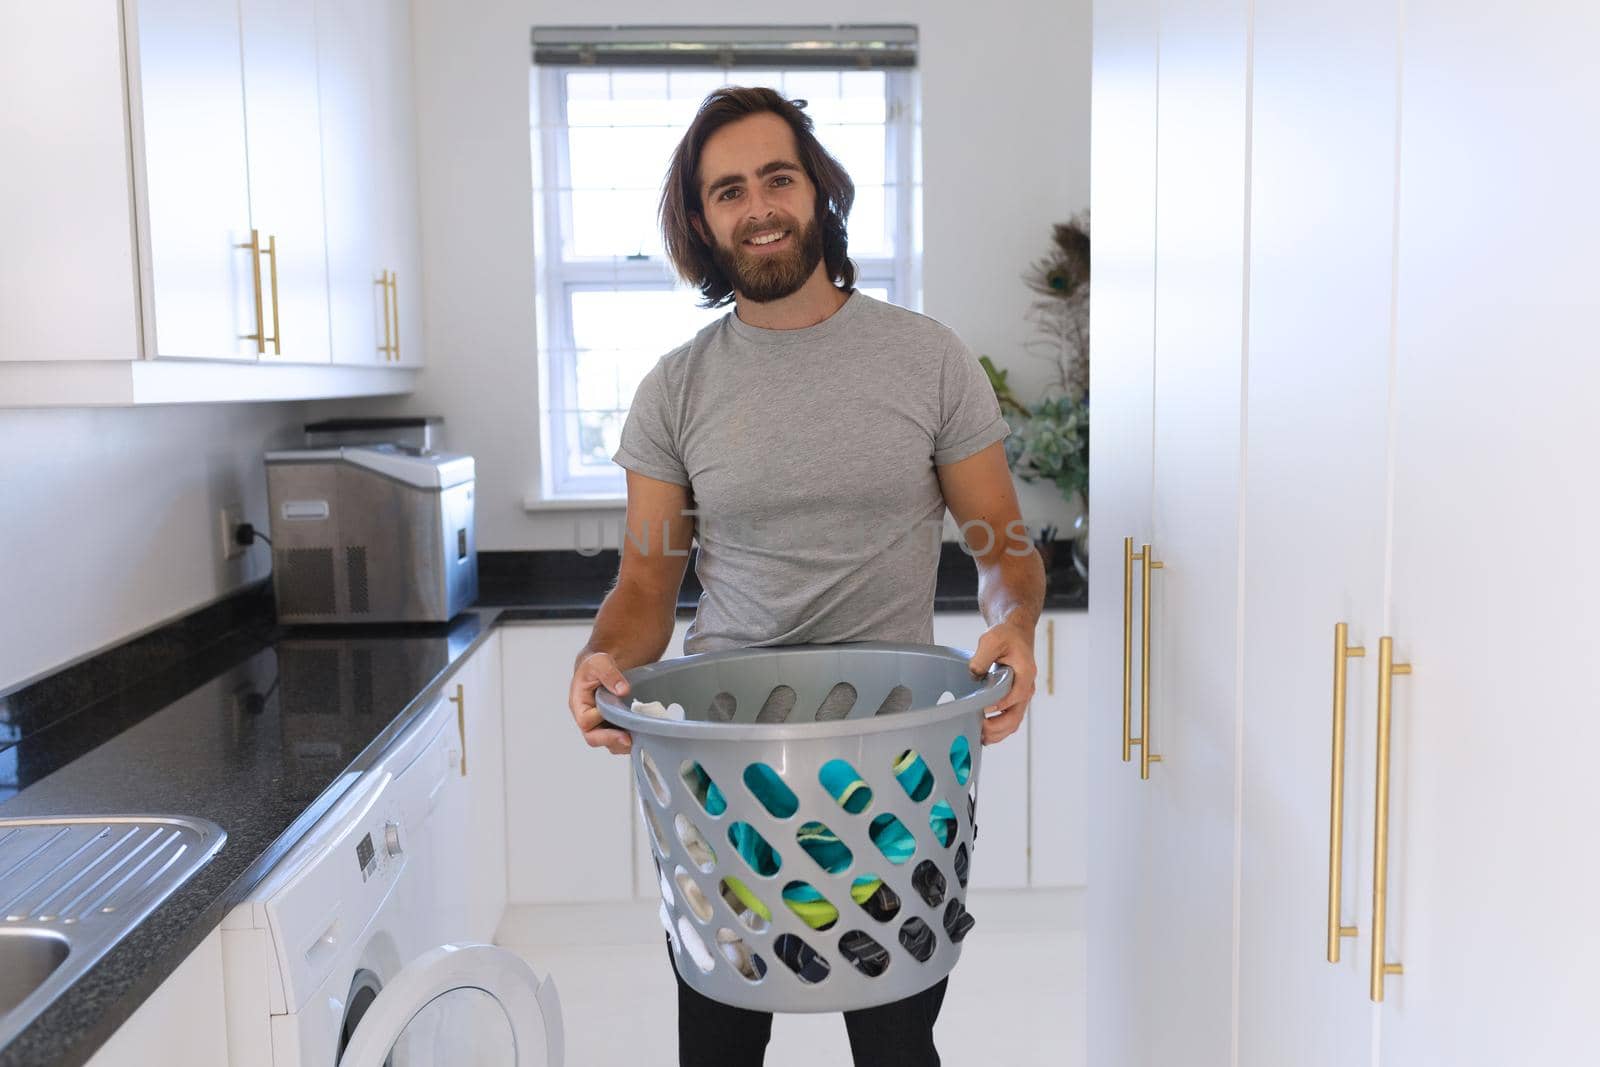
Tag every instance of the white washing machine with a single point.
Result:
(335, 958)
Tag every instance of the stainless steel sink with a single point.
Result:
(27, 958)
(71, 888)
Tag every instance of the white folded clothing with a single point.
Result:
(657, 710)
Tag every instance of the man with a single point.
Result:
(809, 442)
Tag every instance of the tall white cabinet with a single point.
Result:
(1315, 505)
(1492, 815)
(1341, 379)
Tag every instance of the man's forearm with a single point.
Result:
(633, 626)
(1011, 589)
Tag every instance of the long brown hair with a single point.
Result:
(680, 196)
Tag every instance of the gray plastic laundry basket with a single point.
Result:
(828, 764)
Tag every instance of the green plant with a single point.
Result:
(1002, 391)
(1051, 444)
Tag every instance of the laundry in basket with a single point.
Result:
(811, 810)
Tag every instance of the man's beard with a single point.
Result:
(765, 278)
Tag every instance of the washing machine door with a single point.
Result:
(461, 1006)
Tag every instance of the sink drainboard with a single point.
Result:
(72, 887)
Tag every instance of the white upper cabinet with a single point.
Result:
(210, 182)
(282, 122)
(398, 237)
(352, 172)
(66, 217)
(192, 175)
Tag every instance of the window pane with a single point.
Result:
(623, 157)
(616, 222)
(596, 86)
(772, 79)
(649, 320)
(818, 87)
(621, 334)
(638, 85)
(861, 150)
(633, 98)
(866, 222)
(597, 435)
(694, 85)
(862, 97)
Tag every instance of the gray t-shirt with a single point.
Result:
(809, 455)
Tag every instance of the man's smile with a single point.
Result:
(768, 241)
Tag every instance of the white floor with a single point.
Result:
(1016, 998)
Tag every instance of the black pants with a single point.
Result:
(711, 1034)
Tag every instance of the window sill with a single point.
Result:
(537, 504)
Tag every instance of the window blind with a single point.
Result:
(723, 47)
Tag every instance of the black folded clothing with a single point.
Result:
(865, 954)
(883, 904)
(929, 883)
(917, 937)
(958, 921)
(801, 958)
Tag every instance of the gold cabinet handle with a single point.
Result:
(259, 337)
(1147, 557)
(394, 303)
(387, 348)
(1387, 669)
(1343, 653)
(277, 325)
(460, 701)
(1050, 656)
(1127, 649)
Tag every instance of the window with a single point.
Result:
(609, 304)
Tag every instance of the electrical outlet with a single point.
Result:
(231, 517)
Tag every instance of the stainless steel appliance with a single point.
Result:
(372, 533)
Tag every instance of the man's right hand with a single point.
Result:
(595, 670)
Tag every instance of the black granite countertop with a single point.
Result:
(570, 585)
(260, 744)
(227, 716)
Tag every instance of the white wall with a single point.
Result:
(109, 525)
(1005, 90)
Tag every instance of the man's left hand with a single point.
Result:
(1011, 645)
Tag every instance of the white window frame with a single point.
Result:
(899, 274)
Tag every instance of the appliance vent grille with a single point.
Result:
(355, 558)
(307, 583)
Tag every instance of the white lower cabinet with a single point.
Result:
(182, 1024)
(1057, 771)
(470, 872)
(570, 809)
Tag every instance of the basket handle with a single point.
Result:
(1000, 679)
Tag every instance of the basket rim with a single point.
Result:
(620, 714)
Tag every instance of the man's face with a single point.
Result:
(759, 208)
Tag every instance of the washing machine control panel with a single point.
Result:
(366, 856)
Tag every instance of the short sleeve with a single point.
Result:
(650, 444)
(969, 414)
